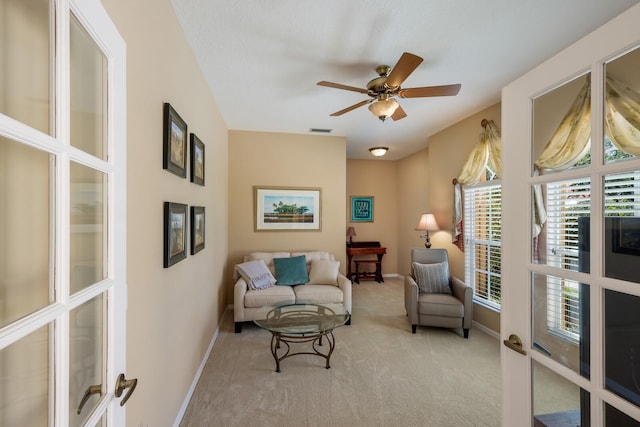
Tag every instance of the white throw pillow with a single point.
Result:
(432, 278)
(324, 272)
(256, 274)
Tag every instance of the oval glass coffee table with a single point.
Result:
(301, 322)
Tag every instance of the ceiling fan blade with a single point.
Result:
(353, 107)
(421, 92)
(398, 114)
(345, 87)
(407, 63)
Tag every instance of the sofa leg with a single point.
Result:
(348, 321)
(413, 328)
(465, 331)
(238, 327)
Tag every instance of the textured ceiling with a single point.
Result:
(263, 59)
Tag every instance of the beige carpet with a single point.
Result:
(381, 374)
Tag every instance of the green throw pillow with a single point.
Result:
(291, 271)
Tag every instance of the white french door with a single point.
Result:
(62, 215)
(571, 295)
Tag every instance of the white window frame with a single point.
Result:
(470, 215)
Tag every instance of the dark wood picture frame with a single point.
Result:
(175, 233)
(197, 160)
(197, 229)
(174, 153)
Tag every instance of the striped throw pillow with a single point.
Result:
(432, 278)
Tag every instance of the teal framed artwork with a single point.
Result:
(362, 209)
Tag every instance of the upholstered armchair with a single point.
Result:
(433, 297)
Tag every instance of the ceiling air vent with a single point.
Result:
(316, 130)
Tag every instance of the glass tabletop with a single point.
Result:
(301, 317)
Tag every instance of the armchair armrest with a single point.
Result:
(464, 293)
(239, 291)
(345, 285)
(411, 299)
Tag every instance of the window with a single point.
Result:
(482, 226)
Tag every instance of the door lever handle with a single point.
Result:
(87, 394)
(121, 384)
(514, 343)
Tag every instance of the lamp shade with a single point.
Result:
(427, 222)
(384, 108)
(351, 232)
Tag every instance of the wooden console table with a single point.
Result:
(365, 248)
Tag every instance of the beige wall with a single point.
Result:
(421, 182)
(284, 160)
(173, 312)
(448, 150)
(377, 178)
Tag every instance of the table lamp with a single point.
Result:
(351, 232)
(427, 223)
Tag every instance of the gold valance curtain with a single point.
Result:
(488, 151)
(622, 116)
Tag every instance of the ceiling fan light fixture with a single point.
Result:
(384, 108)
(378, 151)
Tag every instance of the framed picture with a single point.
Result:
(175, 233)
(197, 229)
(626, 235)
(197, 160)
(289, 209)
(174, 154)
(362, 209)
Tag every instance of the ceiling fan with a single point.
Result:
(384, 88)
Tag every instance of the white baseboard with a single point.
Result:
(486, 330)
(187, 398)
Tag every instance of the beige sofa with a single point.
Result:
(325, 284)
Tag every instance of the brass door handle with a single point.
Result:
(121, 384)
(87, 394)
(514, 343)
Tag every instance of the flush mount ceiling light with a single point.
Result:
(378, 151)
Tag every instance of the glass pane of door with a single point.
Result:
(622, 103)
(88, 93)
(562, 127)
(88, 226)
(86, 370)
(561, 321)
(25, 234)
(557, 401)
(24, 381)
(25, 55)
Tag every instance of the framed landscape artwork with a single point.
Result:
(197, 229)
(287, 209)
(362, 209)
(175, 233)
(197, 160)
(174, 153)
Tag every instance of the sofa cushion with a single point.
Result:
(432, 278)
(313, 255)
(291, 271)
(256, 274)
(318, 293)
(267, 257)
(442, 305)
(324, 272)
(275, 294)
